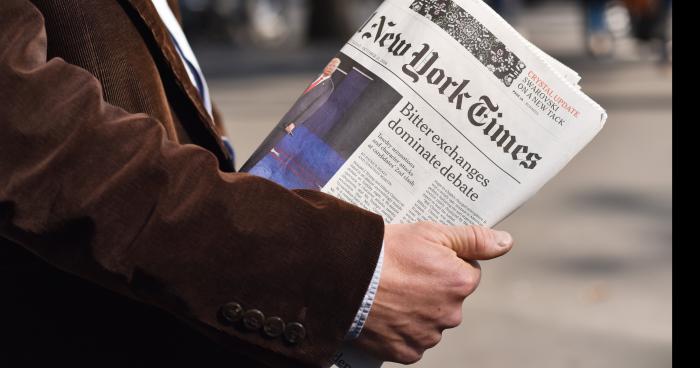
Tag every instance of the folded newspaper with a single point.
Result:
(434, 110)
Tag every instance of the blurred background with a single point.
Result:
(589, 282)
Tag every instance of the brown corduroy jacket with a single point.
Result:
(112, 172)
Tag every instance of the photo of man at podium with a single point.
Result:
(299, 153)
(313, 97)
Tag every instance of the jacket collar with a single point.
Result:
(149, 15)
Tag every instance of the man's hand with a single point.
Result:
(290, 128)
(429, 269)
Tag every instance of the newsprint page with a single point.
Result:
(434, 110)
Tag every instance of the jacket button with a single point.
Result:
(253, 319)
(231, 312)
(294, 333)
(273, 327)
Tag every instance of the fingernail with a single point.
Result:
(503, 239)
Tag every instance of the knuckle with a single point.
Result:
(477, 237)
(468, 281)
(432, 340)
(465, 278)
(453, 320)
(476, 279)
(408, 356)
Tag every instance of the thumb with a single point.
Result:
(477, 242)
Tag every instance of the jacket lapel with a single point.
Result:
(151, 19)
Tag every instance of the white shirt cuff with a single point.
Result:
(362, 314)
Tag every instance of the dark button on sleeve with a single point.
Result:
(273, 327)
(253, 319)
(294, 332)
(231, 312)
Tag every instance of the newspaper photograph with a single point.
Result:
(435, 110)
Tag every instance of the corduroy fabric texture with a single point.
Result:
(112, 171)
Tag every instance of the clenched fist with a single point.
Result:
(429, 269)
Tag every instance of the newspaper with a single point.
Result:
(434, 110)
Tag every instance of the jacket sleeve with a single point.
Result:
(102, 193)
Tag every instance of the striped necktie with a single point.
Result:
(188, 59)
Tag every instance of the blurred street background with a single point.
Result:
(589, 282)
